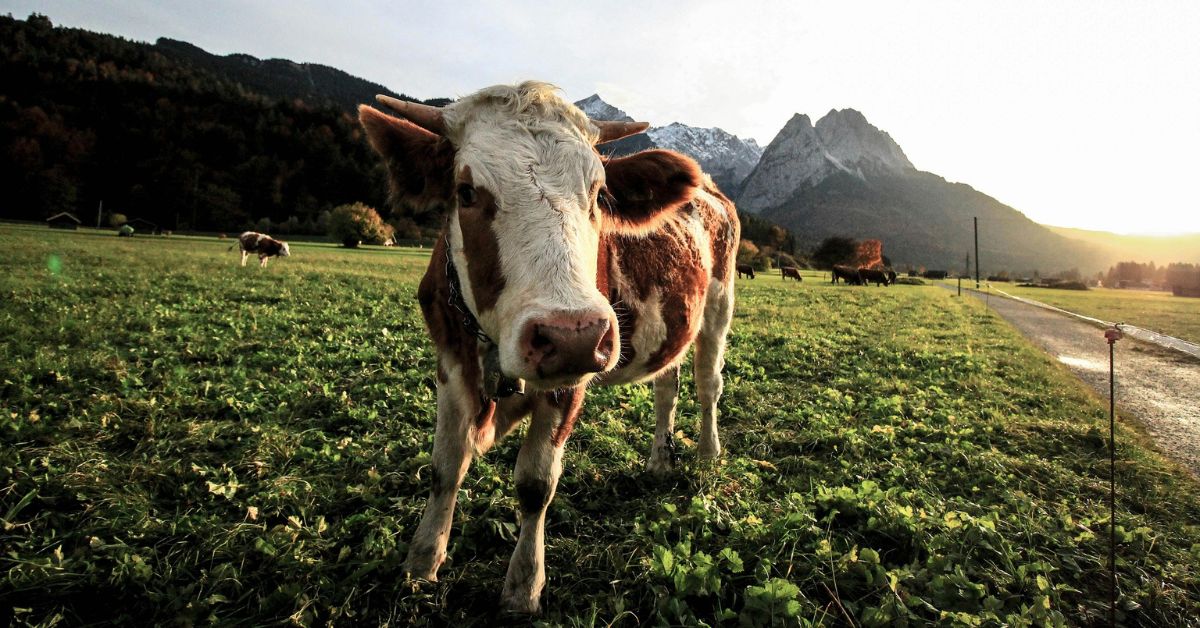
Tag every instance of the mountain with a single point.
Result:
(724, 156)
(1142, 248)
(843, 176)
(281, 79)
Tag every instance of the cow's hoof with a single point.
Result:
(659, 467)
(520, 603)
(417, 569)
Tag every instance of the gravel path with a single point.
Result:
(1159, 387)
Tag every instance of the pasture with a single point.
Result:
(188, 441)
(1157, 311)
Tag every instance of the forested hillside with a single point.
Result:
(86, 117)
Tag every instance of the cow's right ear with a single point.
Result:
(420, 164)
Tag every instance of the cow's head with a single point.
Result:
(284, 250)
(527, 198)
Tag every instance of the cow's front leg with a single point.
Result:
(262, 261)
(244, 256)
(538, 466)
(666, 398)
(458, 406)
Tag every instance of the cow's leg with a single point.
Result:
(458, 406)
(709, 360)
(538, 466)
(244, 256)
(666, 398)
(262, 261)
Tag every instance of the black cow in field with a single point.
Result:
(790, 271)
(849, 274)
(746, 270)
(877, 275)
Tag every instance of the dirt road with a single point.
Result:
(1160, 387)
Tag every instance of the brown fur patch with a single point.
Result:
(665, 262)
(482, 250)
(725, 234)
(420, 163)
(647, 185)
(444, 323)
(570, 402)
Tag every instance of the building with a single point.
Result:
(63, 220)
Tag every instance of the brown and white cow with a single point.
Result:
(559, 269)
(263, 244)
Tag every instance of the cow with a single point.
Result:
(745, 270)
(790, 271)
(849, 274)
(877, 275)
(556, 269)
(261, 243)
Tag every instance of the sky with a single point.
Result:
(1081, 114)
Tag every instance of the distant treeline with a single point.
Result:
(1137, 275)
(187, 140)
(86, 118)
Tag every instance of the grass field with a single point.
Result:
(1157, 311)
(186, 441)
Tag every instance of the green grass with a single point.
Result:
(188, 441)
(1157, 311)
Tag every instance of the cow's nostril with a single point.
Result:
(539, 342)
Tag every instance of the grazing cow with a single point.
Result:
(877, 275)
(745, 270)
(790, 271)
(891, 274)
(556, 269)
(849, 274)
(266, 247)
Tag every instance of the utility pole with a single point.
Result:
(99, 211)
(977, 252)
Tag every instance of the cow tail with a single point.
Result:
(231, 247)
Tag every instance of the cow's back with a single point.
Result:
(659, 283)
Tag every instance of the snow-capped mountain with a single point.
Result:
(723, 155)
(597, 109)
(804, 155)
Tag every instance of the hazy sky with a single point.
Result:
(1083, 114)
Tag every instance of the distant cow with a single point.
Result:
(790, 271)
(877, 275)
(746, 270)
(264, 245)
(849, 274)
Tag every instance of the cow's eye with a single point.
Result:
(466, 196)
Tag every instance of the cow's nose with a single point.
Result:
(568, 344)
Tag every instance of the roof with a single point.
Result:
(67, 214)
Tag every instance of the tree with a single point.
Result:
(356, 222)
(835, 250)
(868, 254)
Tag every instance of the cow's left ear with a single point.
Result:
(420, 163)
(645, 187)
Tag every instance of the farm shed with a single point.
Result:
(141, 224)
(63, 220)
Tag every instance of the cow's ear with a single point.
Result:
(645, 187)
(420, 164)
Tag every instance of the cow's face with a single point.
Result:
(527, 200)
(284, 250)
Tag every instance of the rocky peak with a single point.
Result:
(858, 144)
(596, 109)
(804, 155)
